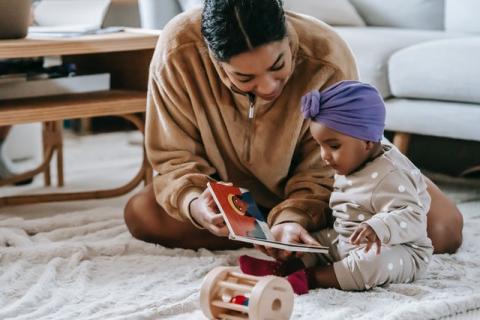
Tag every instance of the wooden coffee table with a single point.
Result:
(126, 56)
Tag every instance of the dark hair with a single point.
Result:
(231, 27)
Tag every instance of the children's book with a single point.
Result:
(246, 222)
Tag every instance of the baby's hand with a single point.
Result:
(365, 233)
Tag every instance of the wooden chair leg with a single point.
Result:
(46, 143)
(59, 147)
(401, 140)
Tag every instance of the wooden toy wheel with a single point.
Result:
(229, 294)
(271, 298)
(209, 291)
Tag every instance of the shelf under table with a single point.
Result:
(71, 106)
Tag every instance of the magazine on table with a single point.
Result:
(246, 222)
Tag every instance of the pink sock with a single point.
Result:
(299, 281)
(260, 268)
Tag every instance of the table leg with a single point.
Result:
(47, 143)
(59, 146)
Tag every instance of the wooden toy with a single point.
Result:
(228, 294)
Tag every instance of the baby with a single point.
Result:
(379, 199)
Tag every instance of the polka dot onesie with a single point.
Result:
(389, 194)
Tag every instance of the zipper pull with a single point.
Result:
(251, 108)
(251, 111)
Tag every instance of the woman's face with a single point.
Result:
(262, 71)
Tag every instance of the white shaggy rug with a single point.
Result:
(83, 264)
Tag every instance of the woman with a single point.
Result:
(224, 94)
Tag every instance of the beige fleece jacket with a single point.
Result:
(198, 128)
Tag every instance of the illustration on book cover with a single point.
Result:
(243, 215)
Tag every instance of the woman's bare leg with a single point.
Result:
(147, 221)
(444, 221)
(324, 277)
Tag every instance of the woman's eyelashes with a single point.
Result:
(272, 69)
(245, 80)
(278, 67)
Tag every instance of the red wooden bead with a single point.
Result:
(240, 300)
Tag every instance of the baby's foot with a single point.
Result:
(299, 281)
(259, 267)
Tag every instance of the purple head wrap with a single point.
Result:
(349, 107)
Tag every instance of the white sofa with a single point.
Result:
(423, 55)
(424, 58)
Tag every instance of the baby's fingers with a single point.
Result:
(354, 236)
(361, 237)
(368, 246)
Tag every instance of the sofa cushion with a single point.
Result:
(415, 14)
(336, 13)
(190, 4)
(462, 15)
(434, 118)
(441, 70)
(373, 47)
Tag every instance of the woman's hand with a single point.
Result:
(365, 233)
(205, 212)
(289, 232)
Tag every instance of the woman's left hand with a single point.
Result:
(289, 232)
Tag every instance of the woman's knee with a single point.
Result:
(132, 215)
(142, 215)
(446, 235)
(147, 221)
(445, 222)
(456, 231)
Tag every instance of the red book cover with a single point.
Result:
(246, 222)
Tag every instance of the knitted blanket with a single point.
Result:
(85, 265)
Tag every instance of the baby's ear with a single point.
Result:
(369, 145)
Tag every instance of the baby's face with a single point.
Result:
(343, 153)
